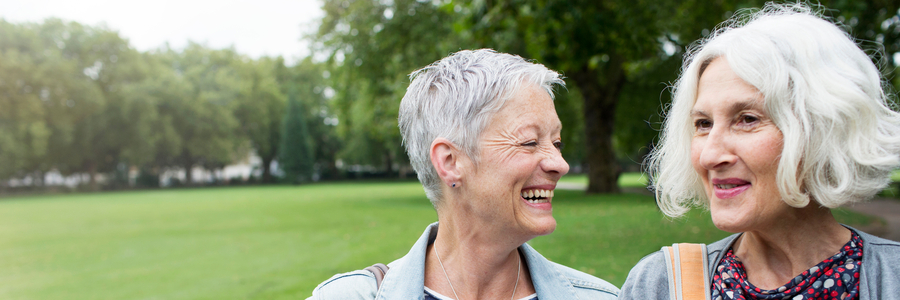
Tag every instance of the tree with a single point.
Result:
(598, 45)
(307, 83)
(296, 157)
(203, 119)
(94, 126)
(260, 109)
(372, 47)
(24, 134)
(159, 98)
(69, 77)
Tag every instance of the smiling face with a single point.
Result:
(519, 164)
(735, 150)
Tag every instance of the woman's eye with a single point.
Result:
(747, 119)
(702, 124)
(559, 145)
(530, 144)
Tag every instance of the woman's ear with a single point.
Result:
(445, 157)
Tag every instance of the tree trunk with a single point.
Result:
(39, 178)
(266, 172)
(388, 163)
(92, 176)
(188, 173)
(601, 95)
(332, 169)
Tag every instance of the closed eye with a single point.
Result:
(530, 144)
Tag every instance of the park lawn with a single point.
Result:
(625, 180)
(279, 242)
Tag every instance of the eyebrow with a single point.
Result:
(736, 106)
(556, 127)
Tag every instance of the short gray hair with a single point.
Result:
(455, 98)
(841, 140)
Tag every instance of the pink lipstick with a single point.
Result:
(729, 187)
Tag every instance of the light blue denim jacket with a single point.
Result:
(406, 278)
(879, 277)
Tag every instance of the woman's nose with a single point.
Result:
(716, 149)
(555, 163)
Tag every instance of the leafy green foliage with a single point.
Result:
(260, 109)
(80, 100)
(307, 83)
(296, 154)
(64, 97)
(372, 47)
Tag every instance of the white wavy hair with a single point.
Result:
(455, 98)
(841, 140)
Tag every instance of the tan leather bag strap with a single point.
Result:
(687, 268)
(379, 270)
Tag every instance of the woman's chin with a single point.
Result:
(732, 225)
(544, 226)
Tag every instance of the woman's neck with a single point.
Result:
(774, 255)
(477, 265)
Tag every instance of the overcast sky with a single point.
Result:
(254, 28)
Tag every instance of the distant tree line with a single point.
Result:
(77, 99)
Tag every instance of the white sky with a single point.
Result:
(254, 28)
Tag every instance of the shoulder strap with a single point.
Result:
(379, 270)
(687, 267)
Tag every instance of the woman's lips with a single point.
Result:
(729, 187)
(538, 197)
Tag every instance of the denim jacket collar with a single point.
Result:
(406, 278)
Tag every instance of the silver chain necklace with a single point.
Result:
(518, 271)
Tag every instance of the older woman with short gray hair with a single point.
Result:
(777, 118)
(482, 133)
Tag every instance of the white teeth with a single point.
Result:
(541, 195)
(726, 186)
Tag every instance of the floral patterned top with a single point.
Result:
(834, 278)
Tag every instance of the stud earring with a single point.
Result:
(454, 185)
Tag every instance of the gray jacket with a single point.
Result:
(406, 278)
(879, 274)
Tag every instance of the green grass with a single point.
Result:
(279, 242)
(625, 180)
(228, 243)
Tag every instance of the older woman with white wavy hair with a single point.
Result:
(482, 133)
(778, 117)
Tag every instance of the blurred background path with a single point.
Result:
(886, 209)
